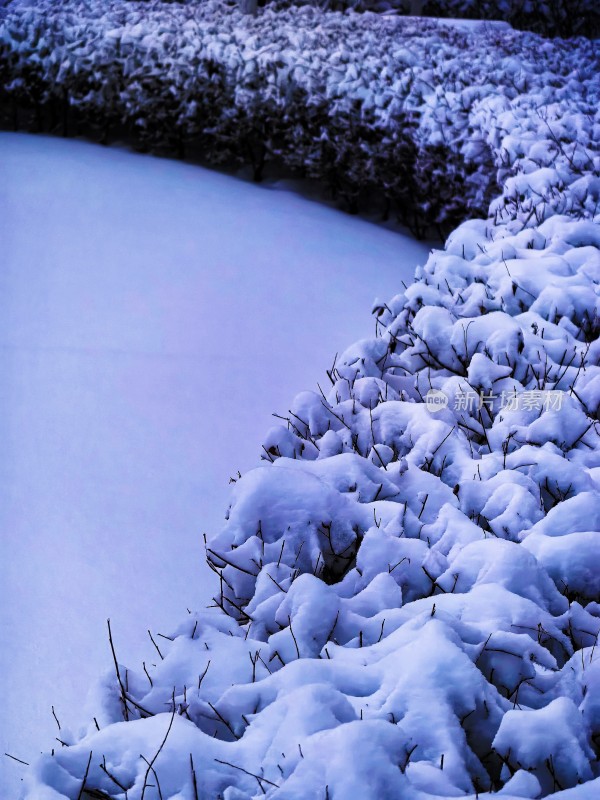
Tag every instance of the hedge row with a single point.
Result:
(372, 106)
(562, 18)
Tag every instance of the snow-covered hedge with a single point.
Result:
(551, 17)
(562, 18)
(408, 599)
(411, 598)
(375, 107)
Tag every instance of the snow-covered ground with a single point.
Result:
(152, 316)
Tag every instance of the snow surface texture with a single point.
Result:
(132, 290)
(408, 600)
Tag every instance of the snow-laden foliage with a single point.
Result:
(550, 17)
(554, 17)
(408, 588)
(409, 114)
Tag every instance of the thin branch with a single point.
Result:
(121, 686)
(55, 717)
(111, 776)
(87, 771)
(151, 768)
(201, 677)
(155, 645)
(259, 778)
(223, 720)
(194, 781)
(293, 637)
(14, 758)
(162, 744)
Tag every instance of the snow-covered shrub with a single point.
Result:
(562, 18)
(415, 115)
(554, 17)
(408, 602)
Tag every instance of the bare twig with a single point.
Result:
(155, 645)
(147, 673)
(162, 744)
(19, 760)
(87, 771)
(223, 720)
(293, 637)
(259, 778)
(151, 768)
(55, 717)
(201, 677)
(194, 781)
(112, 777)
(121, 686)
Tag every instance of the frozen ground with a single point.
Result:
(152, 316)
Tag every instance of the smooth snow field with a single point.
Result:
(152, 316)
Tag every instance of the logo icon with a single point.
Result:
(436, 401)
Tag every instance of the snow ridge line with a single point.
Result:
(410, 582)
